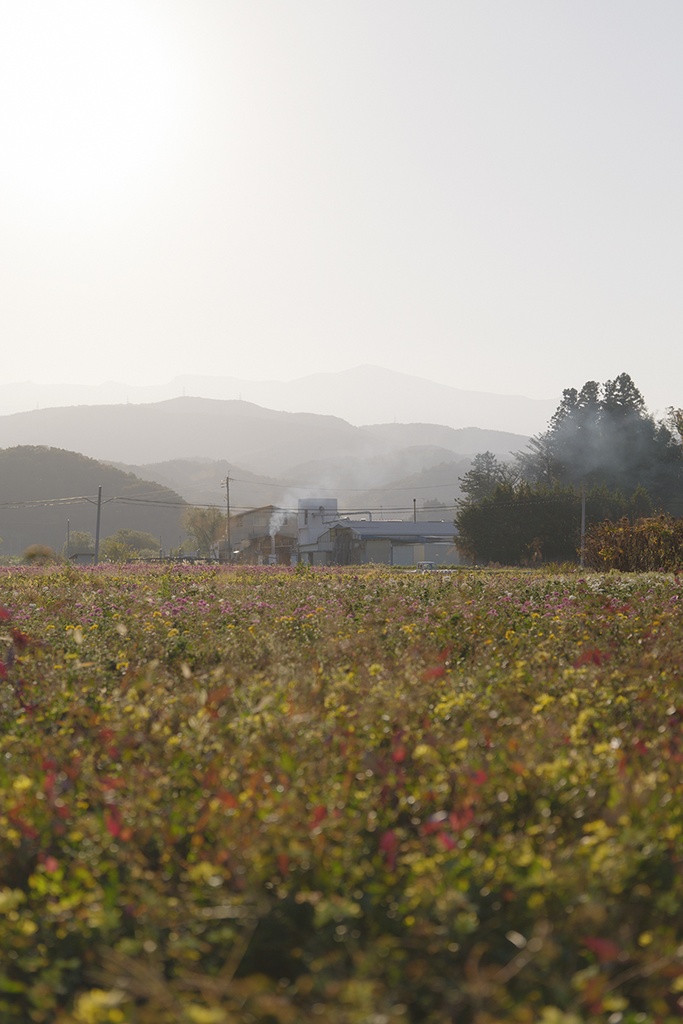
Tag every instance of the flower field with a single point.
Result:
(274, 796)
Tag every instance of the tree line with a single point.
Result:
(204, 526)
(602, 446)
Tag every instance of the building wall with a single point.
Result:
(250, 536)
(378, 550)
(314, 518)
(442, 554)
(407, 554)
(349, 550)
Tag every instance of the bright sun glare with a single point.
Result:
(88, 98)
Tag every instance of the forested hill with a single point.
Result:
(46, 491)
(264, 441)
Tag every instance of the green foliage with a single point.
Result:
(603, 435)
(482, 478)
(526, 525)
(80, 542)
(127, 544)
(272, 796)
(600, 438)
(641, 546)
(207, 526)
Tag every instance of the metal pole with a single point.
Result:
(583, 524)
(227, 500)
(97, 525)
(68, 540)
(414, 510)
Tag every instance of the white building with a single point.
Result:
(314, 518)
(325, 538)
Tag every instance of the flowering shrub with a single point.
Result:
(646, 545)
(267, 795)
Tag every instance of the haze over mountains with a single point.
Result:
(398, 462)
(365, 394)
(262, 440)
(190, 446)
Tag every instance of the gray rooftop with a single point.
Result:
(396, 530)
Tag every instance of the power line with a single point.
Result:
(160, 503)
(41, 502)
(489, 506)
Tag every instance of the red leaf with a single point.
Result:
(461, 819)
(283, 864)
(446, 840)
(592, 656)
(434, 823)
(388, 845)
(24, 827)
(4, 613)
(604, 949)
(227, 798)
(319, 813)
(112, 820)
(108, 782)
(3, 670)
(437, 672)
(21, 640)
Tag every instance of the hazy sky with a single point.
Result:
(488, 194)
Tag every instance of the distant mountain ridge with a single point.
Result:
(191, 445)
(264, 441)
(362, 395)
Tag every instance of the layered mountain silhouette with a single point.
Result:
(185, 449)
(364, 394)
(262, 440)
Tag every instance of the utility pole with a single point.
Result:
(97, 524)
(414, 510)
(227, 501)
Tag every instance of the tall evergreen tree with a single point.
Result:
(483, 476)
(603, 435)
